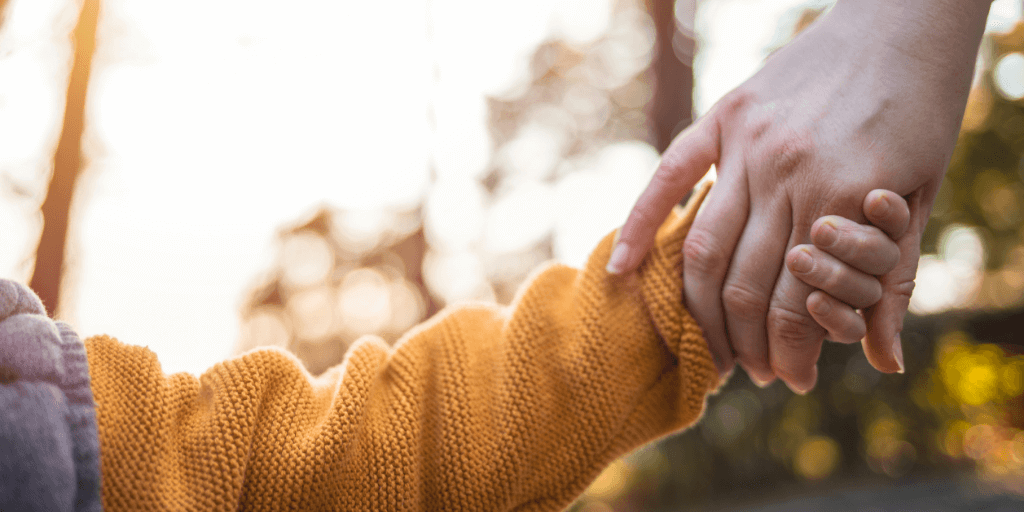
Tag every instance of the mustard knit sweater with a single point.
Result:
(480, 408)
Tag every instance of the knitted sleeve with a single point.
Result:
(481, 408)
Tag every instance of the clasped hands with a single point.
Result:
(829, 160)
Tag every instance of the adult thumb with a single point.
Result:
(882, 345)
(682, 165)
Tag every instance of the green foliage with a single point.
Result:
(984, 187)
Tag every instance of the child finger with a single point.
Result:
(843, 323)
(823, 271)
(863, 247)
(887, 211)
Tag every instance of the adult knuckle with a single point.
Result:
(789, 150)
(669, 176)
(903, 289)
(735, 101)
(742, 302)
(859, 245)
(791, 329)
(832, 277)
(702, 253)
(642, 215)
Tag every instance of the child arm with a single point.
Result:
(480, 408)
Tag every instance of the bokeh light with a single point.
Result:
(595, 201)
(612, 481)
(1009, 75)
(520, 218)
(306, 259)
(364, 301)
(457, 276)
(952, 278)
(267, 327)
(817, 457)
(312, 310)
(977, 392)
(454, 216)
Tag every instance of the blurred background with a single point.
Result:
(205, 177)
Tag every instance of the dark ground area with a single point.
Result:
(942, 494)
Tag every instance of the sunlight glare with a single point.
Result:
(28, 22)
(407, 307)
(462, 143)
(963, 248)
(534, 152)
(627, 52)
(313, 311)
(591, 204)
(20, 234)
(361, 230)
(581, 21)
(30, 109)
(520, 218)
(306, 259)
(952, 278)
(215, 130)
(935, 289)
(267, 327)
(1003, 14)
(456, 276)
(454, 214)
(364, 302)
(485, 45)
(734, 39)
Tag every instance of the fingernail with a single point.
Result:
(759, 381)
(897, 353)
(618, 259)
(800, 390)
(827, 234)
(880, 207)
(802, 262)
(723, 369)
(803, 389)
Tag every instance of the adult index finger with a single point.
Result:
(684, 163)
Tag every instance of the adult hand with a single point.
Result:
(870, 96)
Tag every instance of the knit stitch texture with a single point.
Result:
(480, 408)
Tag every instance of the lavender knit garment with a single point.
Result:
(49, 445)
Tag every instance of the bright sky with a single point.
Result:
(215, 122)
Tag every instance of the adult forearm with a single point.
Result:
(918, 55)
(941, 34)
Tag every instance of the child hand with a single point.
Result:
(843, 264)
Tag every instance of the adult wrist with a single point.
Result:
(933, 31)
(931, 45)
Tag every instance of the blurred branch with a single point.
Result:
(672, 104)
(67, 164)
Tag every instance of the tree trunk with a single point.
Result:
(67, 165)
(671, 108)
